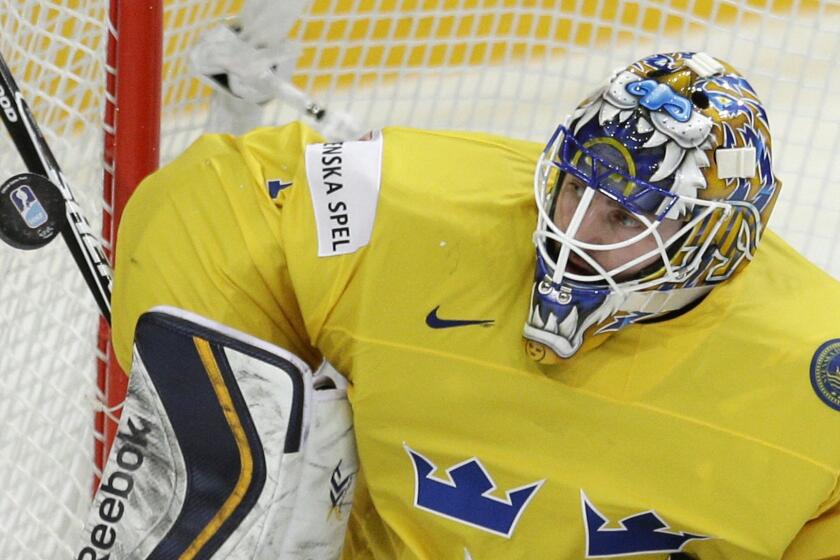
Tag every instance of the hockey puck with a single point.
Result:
(31, 211)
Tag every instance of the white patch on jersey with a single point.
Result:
(344, 180)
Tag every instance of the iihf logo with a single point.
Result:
(29, 207)
(643, 533)
(463, 495)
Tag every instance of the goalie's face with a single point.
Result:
(601, 222)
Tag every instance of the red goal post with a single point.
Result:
(131, 126)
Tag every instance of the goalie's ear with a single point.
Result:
(216, 439)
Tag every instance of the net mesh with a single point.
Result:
(513, 67)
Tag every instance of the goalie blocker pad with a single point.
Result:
(226, 448)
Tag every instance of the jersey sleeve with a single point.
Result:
(204, 234)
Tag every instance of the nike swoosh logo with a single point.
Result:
(436, 322)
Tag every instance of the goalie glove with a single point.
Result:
(228, 447)
(246, 76)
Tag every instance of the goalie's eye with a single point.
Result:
(574, 187)
(625, 219)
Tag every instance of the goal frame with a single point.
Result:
(131, 152)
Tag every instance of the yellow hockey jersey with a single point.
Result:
(406, 261)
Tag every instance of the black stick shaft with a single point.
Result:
(36, 154)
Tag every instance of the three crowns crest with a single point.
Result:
(466, 495)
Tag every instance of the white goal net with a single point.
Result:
(513, 67)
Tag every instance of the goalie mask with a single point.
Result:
(675, 150)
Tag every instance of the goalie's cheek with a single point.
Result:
(647, 245)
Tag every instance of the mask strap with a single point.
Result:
(662, 301)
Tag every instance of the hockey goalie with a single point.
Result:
(676, 393)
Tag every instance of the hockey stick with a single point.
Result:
(32, 212)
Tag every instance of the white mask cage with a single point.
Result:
(549, 173)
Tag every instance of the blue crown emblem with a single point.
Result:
(465, 496)
(642, 533)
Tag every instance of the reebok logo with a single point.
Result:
(435, 322)
(115, 491)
